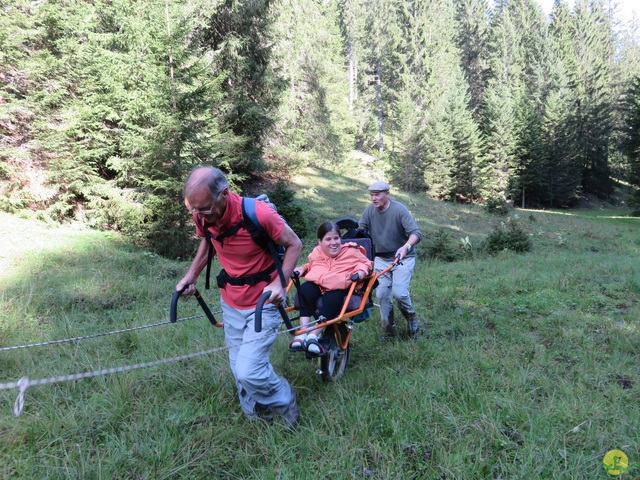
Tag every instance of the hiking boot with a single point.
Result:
(412, 321)
(263, 412)
(390, 330)
(413, 326)
(290, 415)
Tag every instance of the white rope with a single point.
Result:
(25, 383)
(96, 335)
(22, 384)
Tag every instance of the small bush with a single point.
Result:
(441, 246)
(497, 206)
(508, 236)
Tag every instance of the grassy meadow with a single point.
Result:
(527, 366)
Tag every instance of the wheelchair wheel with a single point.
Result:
(333, 363)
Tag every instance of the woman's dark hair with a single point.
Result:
(325, 228)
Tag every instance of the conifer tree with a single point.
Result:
(500, 127)
(625, 70)
(558, 182)
(313, 120)
(239, 37)
(454, 151)
(472, 18)
(18, 67)
(427, 80)
(594, 54)
(631, 138)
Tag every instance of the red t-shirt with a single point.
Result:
(238, 254)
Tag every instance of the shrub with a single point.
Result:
(497, 206)
(508, 236)
(441, 246)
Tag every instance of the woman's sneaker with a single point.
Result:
(298, 344)
(313, 345)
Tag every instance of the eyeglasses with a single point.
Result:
(201, 212)
(208, 211)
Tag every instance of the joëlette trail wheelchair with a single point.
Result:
(337, 331)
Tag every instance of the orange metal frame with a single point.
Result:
(344, 315)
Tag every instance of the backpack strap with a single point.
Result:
(208, 235)
(260, 235)
(220, 238)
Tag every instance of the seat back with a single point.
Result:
(364, 243)
(367, 244)
(349, 232)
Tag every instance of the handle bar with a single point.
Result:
(173, 310)
(258, 318)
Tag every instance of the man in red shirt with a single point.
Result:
(250, 272)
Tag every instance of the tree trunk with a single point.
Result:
(380, 129)
(351, 77)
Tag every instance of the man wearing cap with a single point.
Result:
(394, 233)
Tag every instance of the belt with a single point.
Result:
(264, 276)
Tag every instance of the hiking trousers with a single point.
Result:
(394, 284)
(249, 358)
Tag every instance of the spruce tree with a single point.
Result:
(313, 120)
(594, 54)
(631, 138)
(499, 169)
(238, 36)
(625, 70)
(472, 18)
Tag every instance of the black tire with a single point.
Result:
(333, 363)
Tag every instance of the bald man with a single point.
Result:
(250, 271)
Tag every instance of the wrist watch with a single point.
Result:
(409, 247)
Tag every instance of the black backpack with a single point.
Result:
(259, 235)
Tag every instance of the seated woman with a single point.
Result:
(328, 275)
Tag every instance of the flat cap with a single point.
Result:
(379, 186)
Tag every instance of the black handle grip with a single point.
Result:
(258, 317)
(173, 310)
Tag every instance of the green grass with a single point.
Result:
(527, 366)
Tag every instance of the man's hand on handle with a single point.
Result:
(278, 292)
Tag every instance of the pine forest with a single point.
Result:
(105, 105)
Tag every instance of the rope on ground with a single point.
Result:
(25, 383)
(96, 335)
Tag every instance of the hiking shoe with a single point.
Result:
(390, 330)
(290, 415)
(413, 326)
(263, 412)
